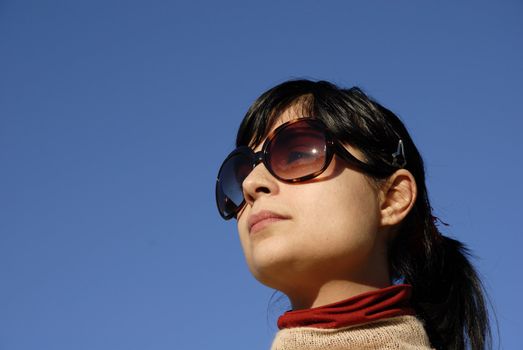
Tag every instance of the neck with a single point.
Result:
(324, 284)
(335, 285)
(330, 292)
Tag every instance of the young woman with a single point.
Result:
(328, 190)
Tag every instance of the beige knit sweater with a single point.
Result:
(401, 332)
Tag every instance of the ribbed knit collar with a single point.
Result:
(370, 306)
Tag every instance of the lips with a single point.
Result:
(258, 221)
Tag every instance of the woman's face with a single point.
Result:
(329, 228)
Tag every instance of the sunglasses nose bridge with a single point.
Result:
(257, 158)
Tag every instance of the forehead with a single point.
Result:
(291, 113)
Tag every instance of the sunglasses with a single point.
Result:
(296, 151)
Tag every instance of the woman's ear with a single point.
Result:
(397, 197)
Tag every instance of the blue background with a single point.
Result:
(115, 116)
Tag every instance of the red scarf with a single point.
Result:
(370, 306)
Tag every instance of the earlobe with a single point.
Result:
(398, 197)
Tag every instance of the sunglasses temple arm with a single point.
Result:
(349, 158)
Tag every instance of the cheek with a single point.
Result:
(340, 201)
(344, 201)
(339, 219)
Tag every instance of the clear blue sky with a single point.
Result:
(115, 116)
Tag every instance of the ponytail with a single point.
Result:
(447, 293)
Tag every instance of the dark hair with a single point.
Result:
(447, 293)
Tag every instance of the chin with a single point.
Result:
(274, 268)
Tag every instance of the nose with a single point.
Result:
(259, 183)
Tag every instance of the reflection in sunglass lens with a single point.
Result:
(297, 151)
(229, 190)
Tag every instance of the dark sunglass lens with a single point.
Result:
(229, 193)
(297, 151)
